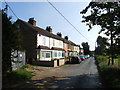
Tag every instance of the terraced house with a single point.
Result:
(44, 46)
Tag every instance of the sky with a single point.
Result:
(45, 15)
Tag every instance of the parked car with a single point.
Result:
(82, 57)
(87, 56)
(75, 59)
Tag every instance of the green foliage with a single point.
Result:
(110, 74)
(26, 66)
(86, 48)
(102, 44)
(107, 16)
(19, 75)
(11, 38)
(103, 14)
(102, 58)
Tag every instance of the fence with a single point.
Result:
(18, 59)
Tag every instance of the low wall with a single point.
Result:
(52, 63)
(61, 62)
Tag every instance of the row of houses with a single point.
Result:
(43, 45)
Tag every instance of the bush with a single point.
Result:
(111, 77)
(101, 59)
(110, 74)
(26, 66)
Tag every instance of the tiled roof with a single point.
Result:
(46, 33)
(42, 31)
(66, 41)
(70, 42)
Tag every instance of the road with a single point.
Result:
(70, 76)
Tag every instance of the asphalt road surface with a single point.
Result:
(70, 76)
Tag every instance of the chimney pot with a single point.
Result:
(66, 37)
(32, 21)
(59, 34)
(49, 29)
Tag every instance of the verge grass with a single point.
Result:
(110, 74)
(17, 76)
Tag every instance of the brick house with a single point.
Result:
(42, 45)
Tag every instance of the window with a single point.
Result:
(53, 42)
(59, 54)
(59, 43)
(55, 54)
(42, 54)
(47, 55)
(63, 54)
(44, 41)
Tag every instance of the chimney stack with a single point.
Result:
(49, 29)
(59, 34)
(32, 21)
(66, 37)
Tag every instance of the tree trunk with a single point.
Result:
(112, 60)
(108, 61)
(111, 48)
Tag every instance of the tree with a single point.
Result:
(86, 48)
(11, 38)
(102, 45)
(107, 15)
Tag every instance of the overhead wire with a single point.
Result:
(68, 21)
(58, 12)
(11, 9)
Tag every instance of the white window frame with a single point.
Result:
(44, 41)
(43, 55)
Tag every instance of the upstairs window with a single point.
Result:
(59, 43)
(44, 41)
(53, 42)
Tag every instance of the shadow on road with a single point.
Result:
(71, 82)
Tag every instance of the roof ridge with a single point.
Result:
(46, 32)
(36, 28)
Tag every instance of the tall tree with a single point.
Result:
(11, 38)
(107, 16)
(102, 44)
(86, 48)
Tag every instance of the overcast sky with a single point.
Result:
(46, 15)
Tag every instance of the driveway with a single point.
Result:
(69, 76)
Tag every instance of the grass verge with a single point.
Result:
(17, 76)
(110, 74)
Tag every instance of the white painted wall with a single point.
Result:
(42, 40)
(56, 43)
(51, 42)
(76, 48)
